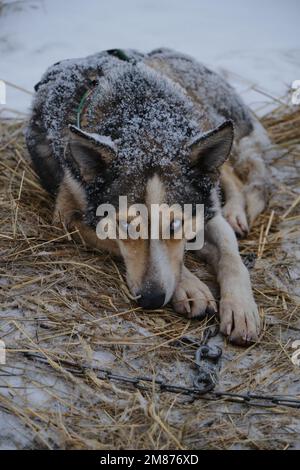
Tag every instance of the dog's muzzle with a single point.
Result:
(151, 299)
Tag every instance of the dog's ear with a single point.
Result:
(211, 150)
(90, 152)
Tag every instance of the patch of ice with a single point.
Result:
(102, 358)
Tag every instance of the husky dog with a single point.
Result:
(157, 128)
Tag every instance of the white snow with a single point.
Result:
(103, 139)
(257, 43)
(102, 359)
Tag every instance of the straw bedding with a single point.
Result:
(62, 301)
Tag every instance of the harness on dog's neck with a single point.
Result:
(81, 106)
(119, 54)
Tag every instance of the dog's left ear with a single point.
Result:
(91, 153)
(211, 150)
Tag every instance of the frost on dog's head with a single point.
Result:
(90, 152)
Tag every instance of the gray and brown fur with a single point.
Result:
(156, 127)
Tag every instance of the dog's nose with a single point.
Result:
(151, 300)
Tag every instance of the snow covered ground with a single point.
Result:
(257, 43)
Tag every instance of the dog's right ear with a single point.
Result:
(91, 153)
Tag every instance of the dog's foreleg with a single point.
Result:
(234, 209)
(238, 312)
(192, 297)
(252, 151)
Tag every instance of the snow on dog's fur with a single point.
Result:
(157, 128)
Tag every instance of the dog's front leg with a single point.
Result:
(238, 312)
(192, 297)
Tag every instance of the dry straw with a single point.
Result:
(62, 300)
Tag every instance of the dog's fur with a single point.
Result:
(157, 128)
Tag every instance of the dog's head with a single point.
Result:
(153, 155)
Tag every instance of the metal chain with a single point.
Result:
(206, 358)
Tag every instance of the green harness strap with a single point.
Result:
(81, 105)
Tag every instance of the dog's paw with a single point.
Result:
(235, 215)
(240, 319)
(193, 298)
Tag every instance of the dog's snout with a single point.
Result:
(151, 299)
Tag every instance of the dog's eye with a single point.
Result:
(175, 225)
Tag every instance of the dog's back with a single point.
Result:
(63, 86)
(216, 99)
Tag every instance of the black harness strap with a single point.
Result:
(121, 55)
